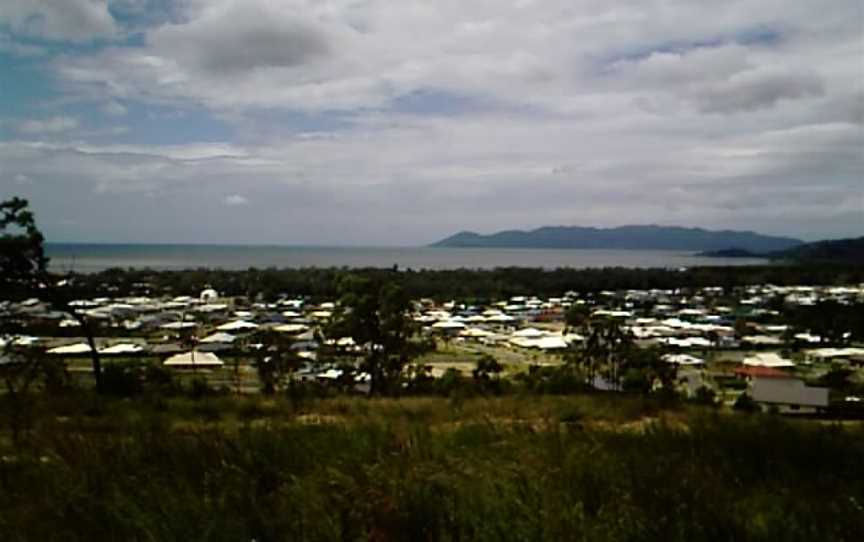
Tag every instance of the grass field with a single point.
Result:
(587, 467)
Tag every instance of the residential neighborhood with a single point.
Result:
(721, 344)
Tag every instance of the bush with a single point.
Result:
(745, 403)
(449, 382)
(636, 380)
(705, 396)
(121, 380)
(199, 388)
(552, 380)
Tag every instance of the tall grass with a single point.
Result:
(425, 469)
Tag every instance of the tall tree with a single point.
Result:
(24, 269)
(607, 346)
(376, 314)
(22, 256)
(275, 360)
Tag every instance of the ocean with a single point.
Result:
(88, 258)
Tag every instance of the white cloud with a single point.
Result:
(755, 90)
(72, 20)
(313, 56)
(745, 115)
(482, 172)
(49, 125)
(115, 109)
(235, 199)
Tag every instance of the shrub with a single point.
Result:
(705, 396)
(745, 403)
(121, 380)
(199, 388)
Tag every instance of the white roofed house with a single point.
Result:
(70, 349)
(552, 342)
(219, 337)
(121, 349)
(448, 327)
(683, 359)
(768, 359)
(194, 359)
(238, 325)
(845, 355)
(208, 294)
(216, 342)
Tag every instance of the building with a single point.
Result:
(789, 395)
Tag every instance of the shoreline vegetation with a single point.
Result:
(465, 284)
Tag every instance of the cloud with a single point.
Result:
(325, 56)
(751, 90)
(59, 20)
(235, 200)
(400, 122)
(51, 125)
(483, 172)
(115, 109)
(8, 45)
(239, 37)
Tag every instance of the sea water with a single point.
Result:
(86, 258)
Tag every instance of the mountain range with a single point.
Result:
(623, 237)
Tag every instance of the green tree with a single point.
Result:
(24, 270)
(376, 314)
(275, 360)
(487, 374)
(576, 317)
(23, 264)
(607, 345)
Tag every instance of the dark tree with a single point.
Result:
(22, 256)
(24, 269)
(487, 374)
(607, 346)
(376, 314)
(275, 360)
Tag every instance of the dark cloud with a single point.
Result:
(241, 38)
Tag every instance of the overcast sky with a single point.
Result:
(398, 122)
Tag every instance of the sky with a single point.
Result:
(383, 122)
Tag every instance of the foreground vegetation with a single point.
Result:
(585, 467)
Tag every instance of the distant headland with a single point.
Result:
(843, 251)
(624, 237)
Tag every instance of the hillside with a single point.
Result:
(837, 251)
(846, 251)
(624, 237)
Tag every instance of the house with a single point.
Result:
(71, 349)
(238, 325)
(193, 359)
(768, 359)
(683, 359)
(789, 395)
(121, 349)
(853, 355)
